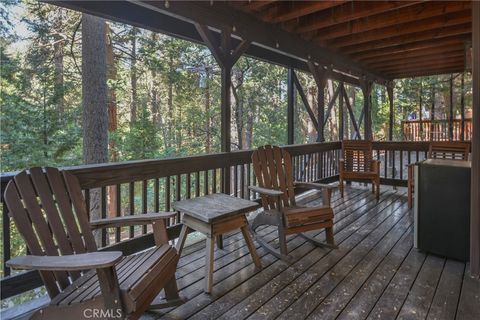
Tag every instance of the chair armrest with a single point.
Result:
(313, 185)
(74, 262)
(133, 220)
(266, 191)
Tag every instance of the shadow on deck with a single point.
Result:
(376, 273)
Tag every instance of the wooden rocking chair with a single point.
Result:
(357, 164)
(49, 211)
(452, 150)
(273, 169)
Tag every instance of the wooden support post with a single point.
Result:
(432, 114)
(352, 115)
(226, 56)
(420, 111)
(462, 108)
(290, 107)
(367, 86)
(391, 110)
(341, 121)
(475, 181)
(450, 114)
(320, 77)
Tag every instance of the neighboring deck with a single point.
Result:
(375, 273)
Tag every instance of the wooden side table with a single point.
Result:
(214, 215)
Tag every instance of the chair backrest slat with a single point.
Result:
(452, 150)
(273, 169)
(357, 155)
(49, 211)
(24, 225)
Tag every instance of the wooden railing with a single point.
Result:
(152, 185)
(136, 187)
(438, 130)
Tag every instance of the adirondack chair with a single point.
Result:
(49, 211)
(273, 169)
(357, 163)
(452, 150)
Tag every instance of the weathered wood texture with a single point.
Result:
(375, 273)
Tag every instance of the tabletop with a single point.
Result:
(214, 207)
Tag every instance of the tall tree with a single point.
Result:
(94, 99)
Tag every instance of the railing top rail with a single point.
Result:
(105, 174)
(436, 120)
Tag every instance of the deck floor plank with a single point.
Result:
(374, 274)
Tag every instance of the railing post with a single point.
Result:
(450, 116)
(475, 181)
(367, 86)
(390, 104)
(462, 108)
(341, 121)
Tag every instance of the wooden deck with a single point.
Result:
(375, 273)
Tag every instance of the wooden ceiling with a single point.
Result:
(397, 39)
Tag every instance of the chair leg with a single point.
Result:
(329, 236)
(340, 185)
(282, 239)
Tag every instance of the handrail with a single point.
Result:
(168, 180)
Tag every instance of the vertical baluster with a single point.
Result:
(394, 159)
(401, 164)
(156, 195)
(87, 202)
(131, 194)
(235, 181)
(197, 184)
(205, 182)
(242, 181)
(385, 166)
(118, 211)
(248, 181)
(103, 213)
(178, 191)
(188, 186)
(144, 202)
(214, 181)
(6, 238)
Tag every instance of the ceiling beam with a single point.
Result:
(456, 61)
(439, 34)
(422, 45)
(257, 5)
(425, 58)
(284, 11)
(221, 16)
(448, 20)
(425, 73)
(347, 12)
(409, 14)
(440, 50)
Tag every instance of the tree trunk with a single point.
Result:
(94, 101)
(58, 63)
(112, 116)
(133, 76)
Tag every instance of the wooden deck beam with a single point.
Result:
(410, 14)
(348, 12)
(438, 22)
(437, 35)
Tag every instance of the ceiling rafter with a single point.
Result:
(463, 29)
(350, 11)
(409, 14)
(448, 20)
(288, 10)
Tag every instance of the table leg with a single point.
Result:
(209, 264)
(220, 241)
(251, 246)
(181, 239)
